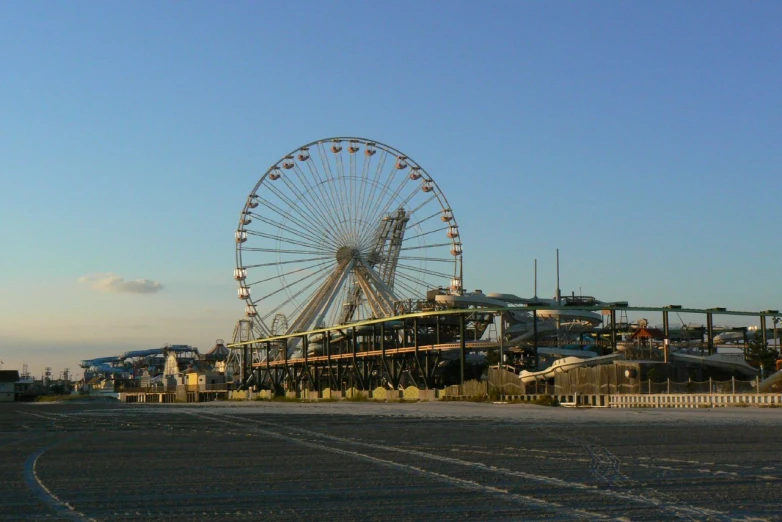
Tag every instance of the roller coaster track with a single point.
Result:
(497, 310)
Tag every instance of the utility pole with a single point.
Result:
(559, 303)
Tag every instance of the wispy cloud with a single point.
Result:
(112, 283)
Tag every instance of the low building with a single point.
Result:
(205, 381)
(8, 379)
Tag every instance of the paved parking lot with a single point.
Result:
(366, 461)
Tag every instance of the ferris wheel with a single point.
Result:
(341, 230)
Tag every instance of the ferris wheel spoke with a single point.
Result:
(298, 270)
(321, 203)
(428, 232)
(366, 184)
(318, 220)
(409, 290)
(286, 240)
(310, 221)
(433, 259)
(285, 215)
(288, 286)
(327, 195)
(279, 251)
(338, 205)
(424, 271)
(428, 245)
(345, 196)
(291, 230)
(407, 199)
(364, 189)
(275, 263)
(423, 204)
(416, 281)
(392, 200)
(309, 189)
(293, 297)
(353, 198)
(366, 209)
(422, 221)
(318, 214)
(383, 209)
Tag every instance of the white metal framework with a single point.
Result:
(341, 230)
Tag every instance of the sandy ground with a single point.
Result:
(367, 461)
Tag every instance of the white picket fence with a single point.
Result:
(694, 400)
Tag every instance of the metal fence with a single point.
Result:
(508, 383)
(731, 386)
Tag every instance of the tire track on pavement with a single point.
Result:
(673, 507)
(525, 500)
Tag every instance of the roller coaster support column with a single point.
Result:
(419, 368)
(461, 349)
(763, 331)
(327, 348)
(246, 365)
(613, 330)
(268, 367)
(340, 373)
(666, 340)
(305, 349)
(285, 363)
(365, 364)
(383, 359)
(356, 371)
(502, 339)
(535, 336)
(709, 332)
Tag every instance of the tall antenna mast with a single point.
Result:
(559, 295)
(536, 279)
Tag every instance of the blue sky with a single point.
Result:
(640, 138)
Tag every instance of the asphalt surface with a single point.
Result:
(366, 461)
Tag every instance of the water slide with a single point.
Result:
(771, 384)
(116, 363)
(568, 363)
(720, 361)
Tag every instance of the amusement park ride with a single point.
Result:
(349, 261)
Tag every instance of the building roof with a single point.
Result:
(218, 353)
(648, 333)
(9, 375)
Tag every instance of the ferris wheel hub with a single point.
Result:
(346, 253)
